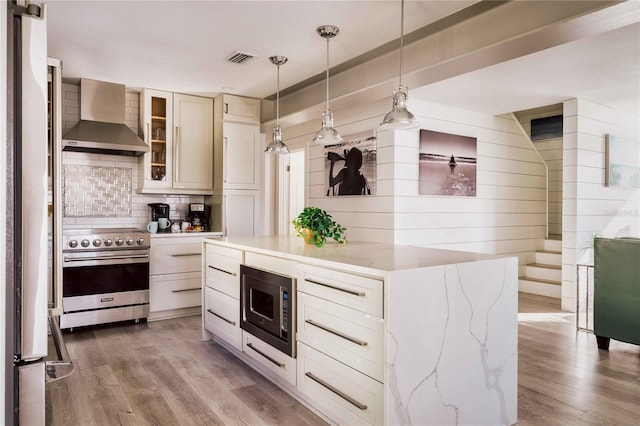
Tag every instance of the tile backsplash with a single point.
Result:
(96, 191)
(138, 213)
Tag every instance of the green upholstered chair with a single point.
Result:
(616, 297)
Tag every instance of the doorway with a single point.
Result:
(291, 189)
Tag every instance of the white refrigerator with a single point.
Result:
(28, 308)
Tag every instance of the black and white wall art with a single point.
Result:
(350, 167)
(447, 164)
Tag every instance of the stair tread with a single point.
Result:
(549, 251)
(541, 280)
(545, 265)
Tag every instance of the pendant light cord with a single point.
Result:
(401, 37)
(278, 96)
(327, 73)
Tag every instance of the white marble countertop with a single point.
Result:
(359, 254)
(207, 234)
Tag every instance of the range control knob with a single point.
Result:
(97, 242)
(108, 242)
(119, 241)
(129, 241)
(140, 241)
(85, 243)
(73, 243)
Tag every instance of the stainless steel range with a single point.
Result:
(105, 276)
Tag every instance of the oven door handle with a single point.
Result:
(83, 259)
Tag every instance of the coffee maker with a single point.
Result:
(159, 210)
(199, 215)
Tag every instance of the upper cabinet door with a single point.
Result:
(241, 156)
(156, 122)
(193, 142)
(241, 110)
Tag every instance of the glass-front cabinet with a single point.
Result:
(157, 125)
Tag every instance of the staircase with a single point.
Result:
(544, 277)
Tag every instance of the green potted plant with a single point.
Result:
(316, 225)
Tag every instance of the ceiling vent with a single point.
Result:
(240, 57)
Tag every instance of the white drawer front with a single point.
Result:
(222, 317)
(175, 291)
(340, 392)
(223, 272)
(357, 292)
(350, 336)
(175, 258)
(269, 357)
(273, 264)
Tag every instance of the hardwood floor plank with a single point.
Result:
(161, 373)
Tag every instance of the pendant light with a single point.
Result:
(400, 117)
(327, 135)
(277, 146)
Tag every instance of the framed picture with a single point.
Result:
(622, 158)
(350, 167)
(447, 164)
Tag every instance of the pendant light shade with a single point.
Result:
(400, 117)
(327, 135)
(276, 146)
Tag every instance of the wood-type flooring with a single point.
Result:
(161, 373)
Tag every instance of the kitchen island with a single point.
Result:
(383, 334)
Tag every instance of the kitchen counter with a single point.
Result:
(369, 258)
(207, 234)
(447, 330)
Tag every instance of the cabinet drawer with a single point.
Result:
(266, 355)
(354, 291)
(223, 270)
(175, 258)
(350, 336)
(342, 393)
(222, 317)
(175, 291)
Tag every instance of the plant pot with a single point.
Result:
(307, 235)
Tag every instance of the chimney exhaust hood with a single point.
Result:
(101, 128)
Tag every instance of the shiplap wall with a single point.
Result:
(140, 212)
(508, 215)
(589, 207)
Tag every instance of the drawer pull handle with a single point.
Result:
(345, 290)
(185, 289)
(337, 333)
(279, 364)
(221, 317)
(185, 254)
(222, 270)
(336, 391)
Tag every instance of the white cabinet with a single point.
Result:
(221, 317)
(239, 109)
(241, 213)
(238, 158)
(340, 332)
(175, 276)
(179, 130)
(241, 155)
(269, 358)
(345, 395)
(221, 312)
(193, 143)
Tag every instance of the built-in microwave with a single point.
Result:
(267, 303)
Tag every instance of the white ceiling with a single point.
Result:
(181, 46)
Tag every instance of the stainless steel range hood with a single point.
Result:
(101, 128)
